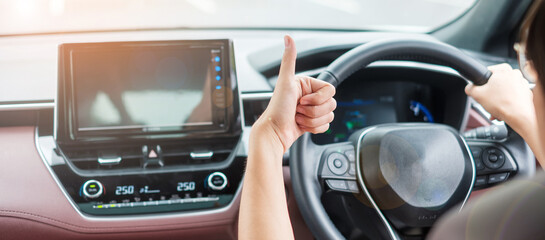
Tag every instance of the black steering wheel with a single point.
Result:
(410, 174)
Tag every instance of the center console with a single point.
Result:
(146, 127)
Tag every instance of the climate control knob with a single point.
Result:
(92, 189)
(217, 181)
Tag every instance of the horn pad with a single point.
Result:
(414, 172)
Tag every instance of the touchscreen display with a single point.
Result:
(145, 88)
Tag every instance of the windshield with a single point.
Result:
(51, 16)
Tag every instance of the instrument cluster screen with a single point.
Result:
(364, 104)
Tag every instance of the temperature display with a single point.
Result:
(185, 186)
(124, 190)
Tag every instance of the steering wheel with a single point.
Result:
(409, 173)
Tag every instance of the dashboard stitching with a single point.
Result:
(24, 215)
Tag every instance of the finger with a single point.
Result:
(316, 130)
(500, 67)
(315, 111)
(469, 89)
(492, 118)
(309, 122)
(287, 66)
(321, 92)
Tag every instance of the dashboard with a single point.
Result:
(137, 176)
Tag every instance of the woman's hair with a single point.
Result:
(532, 33)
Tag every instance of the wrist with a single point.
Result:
(264, 135)
(525, 126)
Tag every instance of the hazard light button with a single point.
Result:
(153, 156)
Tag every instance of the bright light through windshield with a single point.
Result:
(43, 16)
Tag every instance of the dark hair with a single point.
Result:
(533, 35)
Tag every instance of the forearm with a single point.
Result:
(527, 129)
(532, 139)
(263, 211)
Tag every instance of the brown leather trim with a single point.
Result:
(475, 120)
(16, 228)
(29, 192)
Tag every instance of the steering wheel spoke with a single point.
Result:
(493, 163)
(498, 159)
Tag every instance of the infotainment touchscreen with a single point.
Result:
(146, 88)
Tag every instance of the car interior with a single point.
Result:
(116, 131)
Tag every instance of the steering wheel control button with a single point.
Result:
(217, 181)
(352, 186)
(337, 163)
(480, 181)
(92, 189)
(497, 178)
(493, 158)
(338, 185)
(351, 155)
(476, 152)
(479, 164)
(352, 169)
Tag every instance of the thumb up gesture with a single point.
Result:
(299, 104)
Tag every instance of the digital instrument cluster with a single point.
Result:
(377, 102)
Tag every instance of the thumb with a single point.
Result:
(287, 67)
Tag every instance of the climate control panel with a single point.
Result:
(152, 192)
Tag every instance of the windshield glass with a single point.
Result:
(50, 16)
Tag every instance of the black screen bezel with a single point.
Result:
(225, 120)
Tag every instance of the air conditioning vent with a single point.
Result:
(254, 106)
(133, 158)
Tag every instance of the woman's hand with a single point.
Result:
(507, 96)
(299, 104)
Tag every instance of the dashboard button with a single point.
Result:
(496, 178)
(337, 163)
(217, 181)
(92, 189)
